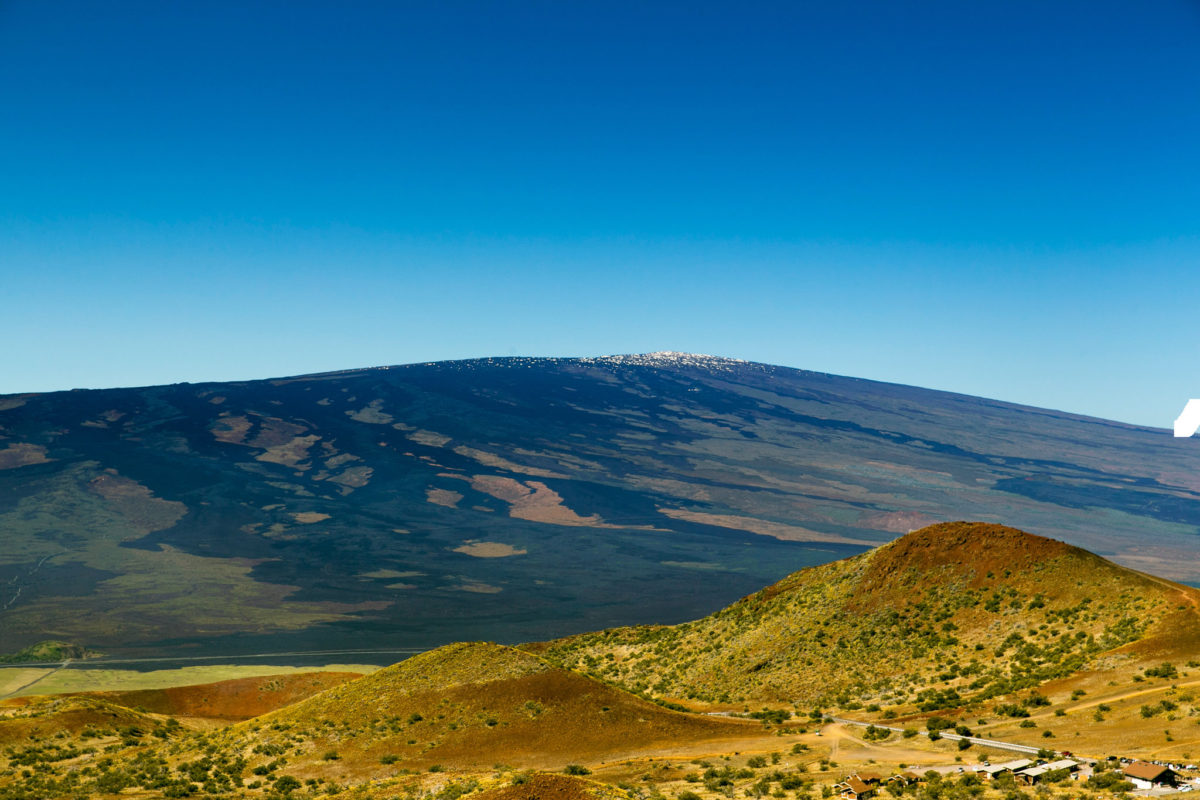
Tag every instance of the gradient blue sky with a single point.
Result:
(996, 198)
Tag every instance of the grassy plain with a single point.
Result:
(122, 680)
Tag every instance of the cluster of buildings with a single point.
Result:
(1142, 774)
(1026, 770)
(864, 785)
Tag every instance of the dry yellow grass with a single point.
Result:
(948, 615)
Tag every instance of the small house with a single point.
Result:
(905, 778)
(1144, 775)
(854, 789)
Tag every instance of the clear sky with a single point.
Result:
(998, 198)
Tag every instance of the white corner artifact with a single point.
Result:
(1189, 420)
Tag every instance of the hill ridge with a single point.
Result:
(911, 615)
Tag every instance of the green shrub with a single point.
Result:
(876, 734)
(1163, 670)
(287, 784)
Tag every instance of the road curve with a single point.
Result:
(953, 737)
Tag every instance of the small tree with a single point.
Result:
(287, 784)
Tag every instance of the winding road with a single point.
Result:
(954, 737)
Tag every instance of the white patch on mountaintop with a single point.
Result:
(669, 358)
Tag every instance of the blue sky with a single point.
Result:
(1001, 199)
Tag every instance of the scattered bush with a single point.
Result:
(1163, 670)
(287, 784)
(876, 734)
(772, 715)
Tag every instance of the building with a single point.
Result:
(854, 789)
(904, 778)
(1144, 775)
(1032, 775)
(993, 771)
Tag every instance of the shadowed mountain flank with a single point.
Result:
(522, 498)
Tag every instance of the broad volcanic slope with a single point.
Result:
(519, 499)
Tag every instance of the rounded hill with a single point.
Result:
(30, 719)
(234, 699)
(949, 612)
(468, 706)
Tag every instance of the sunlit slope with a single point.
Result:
(49, 718)
(948, 614)
(523, 786)
(235, 699)
(470, 706)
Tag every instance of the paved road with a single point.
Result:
(953, 737)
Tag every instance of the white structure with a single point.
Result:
(1188, 422)
(991, 771)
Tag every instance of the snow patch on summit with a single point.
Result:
(663, 359)
(670, 358)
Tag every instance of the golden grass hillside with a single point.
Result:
(466, 706)
(949, 614)
(50, 718)
(960, 625)
(235, 699)
(526, 785)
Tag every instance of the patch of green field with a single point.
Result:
(111, 680)
(13, 678)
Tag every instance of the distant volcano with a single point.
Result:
(515, 499)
